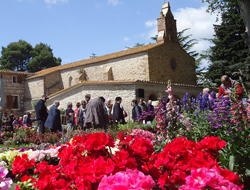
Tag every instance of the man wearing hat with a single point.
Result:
(41, 113)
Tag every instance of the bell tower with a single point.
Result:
(166, 25)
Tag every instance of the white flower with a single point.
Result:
(3, 164)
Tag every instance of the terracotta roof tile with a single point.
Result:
(96, 59)
(15, 72)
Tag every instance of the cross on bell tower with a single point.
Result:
(166, 25)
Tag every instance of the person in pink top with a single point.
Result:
(77, 115)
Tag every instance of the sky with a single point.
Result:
(75, 29)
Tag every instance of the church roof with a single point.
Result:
(15, 72)
(96, 59)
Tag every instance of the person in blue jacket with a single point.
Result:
(53, 120)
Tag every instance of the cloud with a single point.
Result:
(55, 1)
(200, 23)
(126, 39)
(114, 2)
(151, 23)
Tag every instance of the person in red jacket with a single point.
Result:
(227, 86)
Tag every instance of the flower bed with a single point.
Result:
(87, 163)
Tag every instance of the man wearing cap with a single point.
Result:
(41, 113)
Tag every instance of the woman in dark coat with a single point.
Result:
(53, 120)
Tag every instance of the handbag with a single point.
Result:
(125, 113)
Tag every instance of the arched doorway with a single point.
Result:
(152, 97)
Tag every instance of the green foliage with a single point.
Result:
(229, 51)
(21, 56)
(218, 5)
(186, 43)
(42, 58)
(62, 111)
(34, 103)
(16, 56)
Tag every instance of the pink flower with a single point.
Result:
(203, 178)
(127, 180)
(5, 183)
(199, 178)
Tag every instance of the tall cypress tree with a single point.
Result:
(229, 52)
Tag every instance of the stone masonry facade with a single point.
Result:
(14, 85)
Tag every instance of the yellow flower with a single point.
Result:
(70, 141)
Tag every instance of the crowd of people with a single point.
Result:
(89, 113)
(10, 121)
(99, 113)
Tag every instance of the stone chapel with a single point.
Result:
(140, 72)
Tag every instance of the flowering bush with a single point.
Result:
(40, 155)
(22, 164)
(26, 135)
(5, 183)
(9, 157)
(87, 163)
(175, 162)
(6, 136)
(143, 133)
(127, 180)
(204, 178)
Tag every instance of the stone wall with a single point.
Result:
(34, 89)
(170, 61)
(108, 91)
(123, 68)
(52, 83)
(14, 89)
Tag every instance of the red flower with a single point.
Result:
(214, 143)
(26, 178)
(120, 136)
(21, 164)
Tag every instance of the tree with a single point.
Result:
(244, 5)
(16, 56)
(42, 58)
(21, 56)
(92, 55)
(229, 51)
(136, 45)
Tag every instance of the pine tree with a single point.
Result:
(229, 52)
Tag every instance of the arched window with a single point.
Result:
(70, 81)
(152, 97)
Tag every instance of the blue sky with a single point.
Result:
(76, 28)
